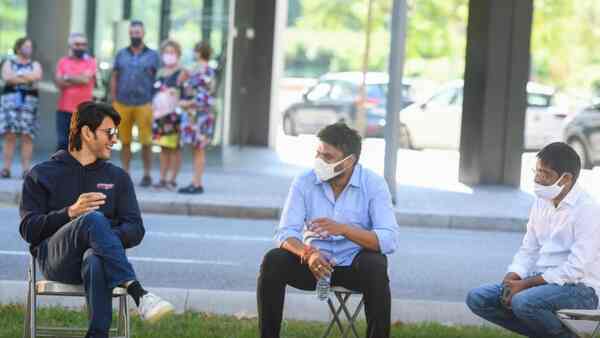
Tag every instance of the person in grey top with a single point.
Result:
(132, 88)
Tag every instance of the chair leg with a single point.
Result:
(334, 320)
(27, 317)
(351, 318)
(127, 327)
(121, 317)
(33, 300)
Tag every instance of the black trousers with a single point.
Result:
(368, 274)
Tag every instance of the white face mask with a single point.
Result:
(548, 192)
(326, 171)
(169, 59)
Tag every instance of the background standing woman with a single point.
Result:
(167, 115)
(198, 124)
(19, 105)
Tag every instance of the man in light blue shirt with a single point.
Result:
(337, 220)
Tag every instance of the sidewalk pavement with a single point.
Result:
(253, 182)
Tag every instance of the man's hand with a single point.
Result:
(319, 266)
(515, 287)
(325, 227)
(89, 201)
(511, 276)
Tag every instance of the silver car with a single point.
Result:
(436, 121)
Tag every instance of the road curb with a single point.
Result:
(404, 217)
(242, 304)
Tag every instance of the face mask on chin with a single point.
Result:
(326, 171)
(548, 192)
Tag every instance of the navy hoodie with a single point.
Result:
(54, 185)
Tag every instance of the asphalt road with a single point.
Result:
(224, 254)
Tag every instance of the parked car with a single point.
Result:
(582, 132)
(436, 121)
(335, 97)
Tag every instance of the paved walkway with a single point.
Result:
(247, 182)
(253, 182)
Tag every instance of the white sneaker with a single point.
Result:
(152, 308)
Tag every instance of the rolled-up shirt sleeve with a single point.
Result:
(584, 250)
(525, 259)
(293, 215)
(383, 219)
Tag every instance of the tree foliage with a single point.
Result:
(565, 34)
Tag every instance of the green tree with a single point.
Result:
(13, 15)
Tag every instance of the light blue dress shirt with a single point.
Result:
(365, 203)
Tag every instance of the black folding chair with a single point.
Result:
(343, 295)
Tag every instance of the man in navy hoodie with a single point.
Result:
(79, 213)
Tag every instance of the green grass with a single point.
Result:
(199, 325)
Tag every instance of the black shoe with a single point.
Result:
(146, 182)
(191, 189)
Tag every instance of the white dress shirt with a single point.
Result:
(562, 243)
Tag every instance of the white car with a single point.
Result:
(436, 122)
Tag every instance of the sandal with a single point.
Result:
(5, 173)
(160, 185)
(191, 190)
(171, 185)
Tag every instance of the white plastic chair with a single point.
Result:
(589, 315)
(51, 288)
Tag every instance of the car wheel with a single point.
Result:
(289, 127)
(580, 149)
(404, 140)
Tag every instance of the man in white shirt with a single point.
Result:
(557, 265)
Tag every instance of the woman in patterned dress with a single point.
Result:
(19, 104)
(197, 126)
(167, 114)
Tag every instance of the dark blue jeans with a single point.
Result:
(87, 251)
(63, 123)
(533, 310)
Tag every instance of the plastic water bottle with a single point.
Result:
(324, 283)
(323, 288)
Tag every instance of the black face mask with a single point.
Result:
(78, 53)
(136, 42)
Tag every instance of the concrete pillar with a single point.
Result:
(251, 72)
(496, 75)
(48, 24)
